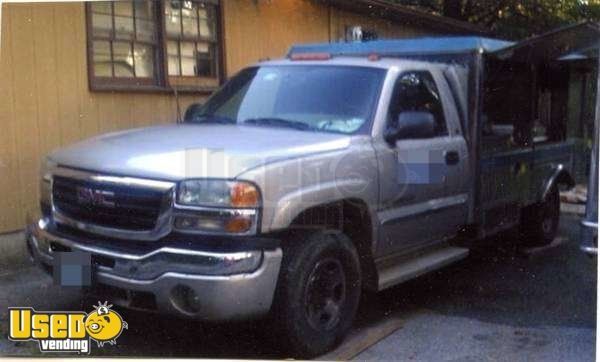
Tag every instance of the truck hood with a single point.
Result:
(178, 151)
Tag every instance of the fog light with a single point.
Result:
(238, 224)
(185, 299)
(199, 223)
(217, 222)
(185, 222)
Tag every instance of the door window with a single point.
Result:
(417, 91)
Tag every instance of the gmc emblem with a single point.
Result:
(92, 197)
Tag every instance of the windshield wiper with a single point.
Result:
(279, 122)
(211, 118)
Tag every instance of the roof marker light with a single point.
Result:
(310, 56)
(374, 57)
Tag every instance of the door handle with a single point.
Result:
(451, 157)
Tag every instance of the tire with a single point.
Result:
(539, 223)
(318, 292)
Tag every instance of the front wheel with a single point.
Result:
(539, 223)
(318, 292)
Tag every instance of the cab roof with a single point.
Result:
(383, 62)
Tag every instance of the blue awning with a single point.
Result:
(407, 47)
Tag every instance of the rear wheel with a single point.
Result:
(318, 292)
(539, 222)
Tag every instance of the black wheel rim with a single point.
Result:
(548, 224)
(325, 294)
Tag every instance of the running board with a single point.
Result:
(417, 265)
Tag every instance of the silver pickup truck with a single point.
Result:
(303, 182)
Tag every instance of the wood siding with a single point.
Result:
(45, 102)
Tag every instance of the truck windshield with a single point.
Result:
(336, 99)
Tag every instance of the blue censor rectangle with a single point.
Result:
(72, 269)
(422, 173)
(422, 168)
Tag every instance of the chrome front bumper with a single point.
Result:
(192, 283)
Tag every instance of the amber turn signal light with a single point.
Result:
(244, 195)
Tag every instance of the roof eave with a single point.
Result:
(399, 13)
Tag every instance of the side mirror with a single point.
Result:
(191, 111)
(412, 124)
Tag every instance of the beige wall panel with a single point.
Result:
(44, 45)
(88, 116)
(105, 112)
(10, 208)
(25, 106)
(66, 56)
(261, 29)
(385, 29)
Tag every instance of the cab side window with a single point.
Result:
(417, 91)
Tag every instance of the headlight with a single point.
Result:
(217, 207)
(219, 193)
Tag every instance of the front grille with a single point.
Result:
(108, 205)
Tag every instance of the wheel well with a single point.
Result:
(350, 216)
(561, 177)
(564, 178)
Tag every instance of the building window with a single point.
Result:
(150, 44)
(191, 38)
(124, 41)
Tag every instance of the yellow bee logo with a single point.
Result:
(104, 325)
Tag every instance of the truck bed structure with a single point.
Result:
(506, 92)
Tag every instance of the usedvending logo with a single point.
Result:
(66, 331)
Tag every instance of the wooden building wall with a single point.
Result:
(44, 97)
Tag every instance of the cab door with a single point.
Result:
(423, 181)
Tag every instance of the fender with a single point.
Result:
(560, 176)
(292, 204)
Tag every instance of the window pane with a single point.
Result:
(207, 17)
(101, 59)
(205, 62)
(101, 7)
(144, 9)
(189, 14)
(203, 48)
(172, 18)
(188, 58)
(205, 29)
(205, 67)
(417, 91)
(145, 30)
(144, 62)
(124, 8)
(173, 58)
(144, 20)
(102, 18)
(123, 59)
(124, 19)
(203, 12)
